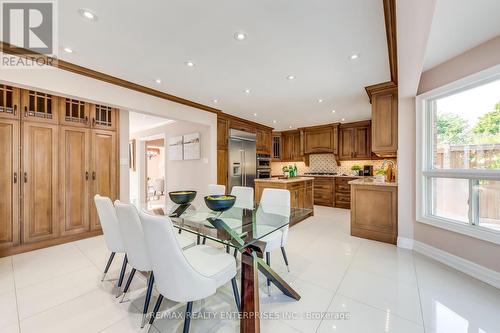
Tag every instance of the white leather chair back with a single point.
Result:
(175, 278)
(244, 197)
(109, 223)
(214, 189)
(133, 236)
(274, 209)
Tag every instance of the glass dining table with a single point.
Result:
(244, 231)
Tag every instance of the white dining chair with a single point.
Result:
(112, 236)
(185, 276)
(215, 189)
(135, 247)
(244, 197)
(274, 210)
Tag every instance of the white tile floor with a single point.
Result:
(379, 287)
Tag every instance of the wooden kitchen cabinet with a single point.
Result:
(74, 180)
(321, 139)
(103, 117)
(343, 192)
(324, 191)
(264, 141)
(385, 124)
(40, 107)
(40, 182)
(380, 226)
(104, 168)
(276, 147)
(355, 141)
(10, 98)
(9, 183)
(291, 146)
(73, 112)
(301, 190)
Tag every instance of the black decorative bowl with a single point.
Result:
(220, 203)
(182, 197)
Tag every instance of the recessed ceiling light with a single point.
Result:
(333, 111)
(247, 91)
(240, 35)
(68, 50)
(290, 77)
(343, 119)
(255, 114)
(158, 81)
(274, 121)
(320, 100)
(189, 63)
(354, 56)
(87, 14)
(216, 100)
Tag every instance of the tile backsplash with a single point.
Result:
(324, 163)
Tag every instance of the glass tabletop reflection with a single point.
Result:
(236, 227)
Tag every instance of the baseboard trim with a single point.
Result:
(405, 243)
(479, 272)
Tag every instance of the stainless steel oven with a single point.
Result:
(263, 161)
(263, 173)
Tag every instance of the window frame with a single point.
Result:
(425, 171)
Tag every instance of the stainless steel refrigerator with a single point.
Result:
(242, 158)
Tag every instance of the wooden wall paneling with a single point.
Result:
(40, 181)
(9, 183)
(74, 173)
(103, 171)
(222, 133)
(222, 165)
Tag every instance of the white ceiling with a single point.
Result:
(140, 122)
(312, 40)
(459, 25)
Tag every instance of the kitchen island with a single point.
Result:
(301, 194)
(374, 210)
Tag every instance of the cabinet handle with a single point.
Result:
(25, 111)
(93, 122)
(93, 175)
(86, 175)
(15, 109)
(86, 120)
(25, 177)
(15, 177)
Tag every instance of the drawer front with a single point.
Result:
(343, 188)
(295, 186)
(341, 197)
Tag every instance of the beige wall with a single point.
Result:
(183, 175)
(480, 252)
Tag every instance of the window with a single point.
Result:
(458, 156)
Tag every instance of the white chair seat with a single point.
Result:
(273, 240)
(185, 241)
(212, 263)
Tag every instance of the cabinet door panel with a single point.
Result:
(287, 150)
(346, 144)
(362, 143)
(74, 180)
(104, 170)
(297, 153)
(319, 141)
(103, 117)
(222, 166)
(40, 177)
(74, 112)
(9, 102)
(9, 183)
(385, 124)
(41, 107)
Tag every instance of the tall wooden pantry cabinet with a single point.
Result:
(59, 152)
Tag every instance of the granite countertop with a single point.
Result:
(332, 176)
(283, 180)
(371, 182)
